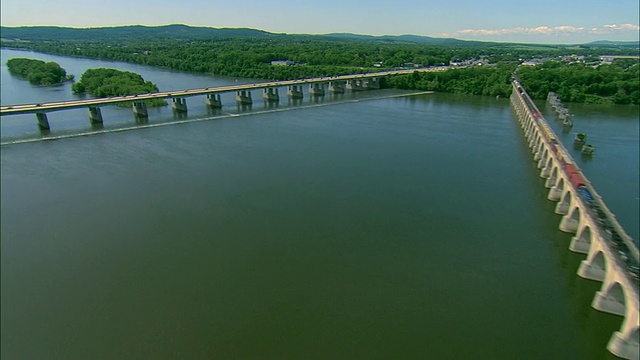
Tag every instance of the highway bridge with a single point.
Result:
(337, 84)
(612, 255)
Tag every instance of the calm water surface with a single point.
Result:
(412, 227)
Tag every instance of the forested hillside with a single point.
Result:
(249, 53)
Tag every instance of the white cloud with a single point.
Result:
(546, 30)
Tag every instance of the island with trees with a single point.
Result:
(38, 72)
(103, 82)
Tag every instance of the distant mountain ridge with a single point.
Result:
(181, 31)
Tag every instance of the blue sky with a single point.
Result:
(542, 21)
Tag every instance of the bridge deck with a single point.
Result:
(64, 105)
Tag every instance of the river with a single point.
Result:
(359, 226)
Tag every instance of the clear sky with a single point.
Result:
(541, 21)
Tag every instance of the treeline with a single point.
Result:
(615, 83)
(251, 56)
(38, 72)
(111, 82)
(478, 80)
(248, 53)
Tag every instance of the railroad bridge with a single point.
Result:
(612, 255)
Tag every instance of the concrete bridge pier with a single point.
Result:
(354, 85)
(95, 116)
(582, 241)
(244, 97)
(594, 267)
(611, 299)
(316, 89)
(562, 208)
(537, 152)
(551, 180)
(546, 169)
(43, 122)
(213, 100)
(336, 86)
(295, 91)
(179, 104)
(140, 109)
(372, 83)
(571, 222)
(556, 192)
(271, 94)
(543, 160)
(624, 343)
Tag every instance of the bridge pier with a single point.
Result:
(295, 91)
(610, 300)
(354, 85)
(43, 122)
(372, 83)
(140, 109)
(336, 86)
(581, 243)
(551, 180)
(316, 89)
(546, 170)
(556, 192)
(95, 116)
(213, 100)
(593, 268)
(562, 208)
(179, 104)
(571, 221)
(271, 94)
(624, 343)
(244, 97)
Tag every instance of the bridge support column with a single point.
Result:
(624, 343)
(555, 193)
(562, 208)
(546, 171)
(610, 300)
(179, 104)
(372, 83)
(295, 92)
(551, 180)
(140, 109)
(43, 122)
(592, 270)
(316, 89)
(95, 116)
(336, 86)
(244, 97)
(271, 94)
(571, 221)
(213, 100)
(354, 85)
(582, 241)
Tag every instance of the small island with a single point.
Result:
(38, 72)
(103, 82)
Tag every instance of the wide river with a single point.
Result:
(366, 226)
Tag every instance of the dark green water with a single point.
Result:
(413, 227)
